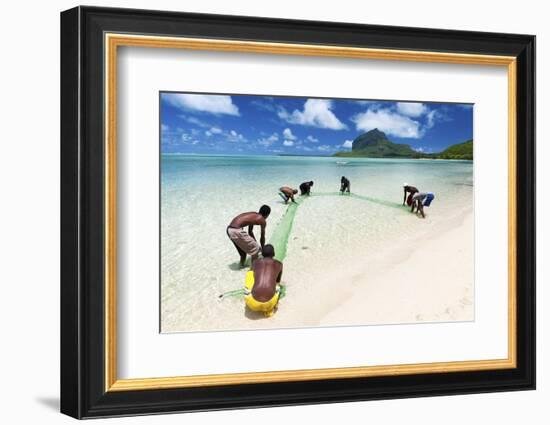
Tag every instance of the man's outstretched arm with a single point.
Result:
(262, 236)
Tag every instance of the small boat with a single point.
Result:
(342, 162)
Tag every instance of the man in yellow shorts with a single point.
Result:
(262, 290)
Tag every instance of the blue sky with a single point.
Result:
(265, 125)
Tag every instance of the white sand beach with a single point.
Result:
(428, 280)
(357, 260)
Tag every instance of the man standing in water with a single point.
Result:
(287, 193)
(305, 188)
(262, 290)
(411, 190)
(345, 185)
(246, 242)
(421, 200)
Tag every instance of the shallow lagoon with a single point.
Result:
(200, 194)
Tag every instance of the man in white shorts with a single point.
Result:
(245, 242)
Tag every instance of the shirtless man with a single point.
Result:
(345, 185)
(246, 242)
(267, 274)
(287, 193)
(263, 289)
(411, 190)
(305, 188)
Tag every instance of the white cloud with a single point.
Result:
(287, 134)
(233, 136)
(213, 130)
(265, 104)
(412, 109)
(229, 136)
(312, 139)
(164, 127)
(389, 122)
(430, 119)
(420, 149)
(317, 113)
(347, 144)
(215, 104)
(288, 143)
(178, 137)
(372, 104)
(195, 121)
(268, 141)
(324, 148)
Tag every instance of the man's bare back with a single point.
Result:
(248, 219)
(267, 273)
(288, 193)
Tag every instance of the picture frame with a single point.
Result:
(90, 39)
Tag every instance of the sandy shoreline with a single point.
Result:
(429, 278)
(350, 260)
(433, 283)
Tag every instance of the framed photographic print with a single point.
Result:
(261, 212)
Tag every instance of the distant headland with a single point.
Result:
(375, 144)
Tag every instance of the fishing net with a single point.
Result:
(279, 238)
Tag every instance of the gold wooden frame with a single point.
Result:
(113, 41)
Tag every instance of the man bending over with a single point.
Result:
(287, 193)
(244, 242)
(421, 200)
(411, 190)
(345, 185)
(262, 289)
(305, 188)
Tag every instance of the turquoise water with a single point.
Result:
(201, 194)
